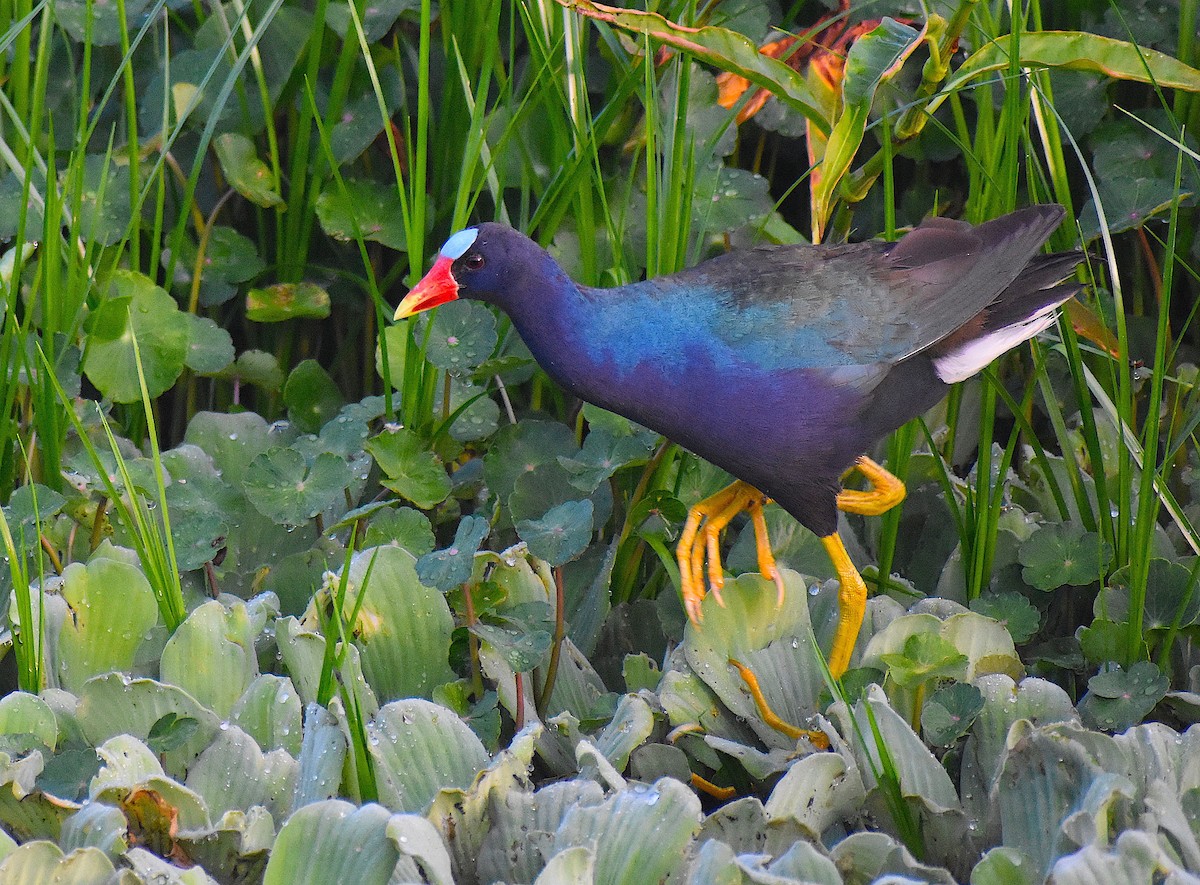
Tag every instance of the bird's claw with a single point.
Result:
(701, 539)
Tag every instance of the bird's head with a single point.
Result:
(484, 263)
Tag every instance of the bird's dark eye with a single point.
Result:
(474, 261)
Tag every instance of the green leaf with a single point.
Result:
(229, 258)
(1012, 610)
(104, 213)
(255, 367)
(1078, 51)
(171, 732)
(11, 193)
(105, 629)
(1118, 699)
(603, 454)
(333, 841)
(198, 522)
(270, 712)
(522, 634)
(421, 748)
(113, 705)
(412, 471)
(105, 20)
(283, 487)
(135, 306)
(451, 567)
(926, 656)
(43, 861)
(617, 831)
(287, 301)
(210, 348)
(1170, 595)
(950, 712)
(244, 171)
(872, 59)
(403, 630)
(520, 448)
(363, 207)
(211, 656)
(361, 123)
(22, 514)
(26, 723)
(720, 47)
(1105, 640)
(1063, 554)
(377, 19)
(476, 415)
(404, 526)
(730, 200)
(547, 486)
(232, 441)
(561, 534)
(462, 335)
(312, 397)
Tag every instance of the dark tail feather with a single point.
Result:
(1040, 285)
(1025, 307)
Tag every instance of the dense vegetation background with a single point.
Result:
(296, 594)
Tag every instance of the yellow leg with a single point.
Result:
(852, 599)
(701, 539)
(885, 493)
(722, 793)
(702, 535)
(769, 716)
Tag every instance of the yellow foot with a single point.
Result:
(702, 536)
(769, 716)
(712, 789)
(885, 493)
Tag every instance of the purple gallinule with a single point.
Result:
(780, 364)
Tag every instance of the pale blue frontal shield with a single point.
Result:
(459, 243)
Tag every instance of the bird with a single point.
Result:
(781, 364)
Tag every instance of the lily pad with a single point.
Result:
(284, 488)
(1063, 554)
(287, 301)
(448, 568)
(1012, 610)
(135, 308)
(950, 712)
(30, 504)
(312, 396)
(255, 367)
(210, 348)
(104, 211)
(377, 18)
(361, 207)
(561, 533)
(521, 634)
(520, 448)
(1120, 698)
(229, 258)
(404, 526)
(462, 334)
(244, 171)
(926, 656)
(411, 470)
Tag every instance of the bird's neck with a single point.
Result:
(550, 311)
